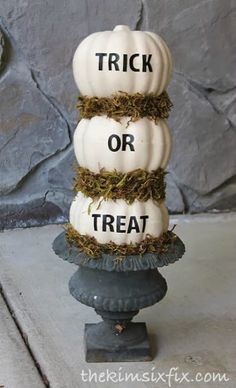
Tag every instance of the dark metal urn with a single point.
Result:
(117, 289)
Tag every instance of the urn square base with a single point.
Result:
(130, 345)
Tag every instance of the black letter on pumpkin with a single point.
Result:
(127, 141)
(100, 60)
(131, 62)
(133, 224)
(113, 59)
(120, 224)
(146, 62)
(125, 60)
(95, 221)
(118, 143)
(107, 221)
(144, 218)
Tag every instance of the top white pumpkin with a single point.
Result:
(122, 60)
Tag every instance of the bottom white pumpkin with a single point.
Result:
(117, 221)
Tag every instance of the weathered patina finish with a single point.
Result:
(117, 288)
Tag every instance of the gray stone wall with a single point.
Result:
(38, 98)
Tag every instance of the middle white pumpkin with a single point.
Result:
(102, 142)
(116, 221)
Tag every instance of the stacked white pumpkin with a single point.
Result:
(106, 63)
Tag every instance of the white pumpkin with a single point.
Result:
(122, 60)
(117, 221)
(102, 142)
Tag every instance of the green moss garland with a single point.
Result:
(93, 248)
(121, 104)
(137, 184)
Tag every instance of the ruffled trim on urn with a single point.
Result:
(111, 262)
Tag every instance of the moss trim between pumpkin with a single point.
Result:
(138, 184)
(94, 249)
(121, 104)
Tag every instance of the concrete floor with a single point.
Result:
(193, 329)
